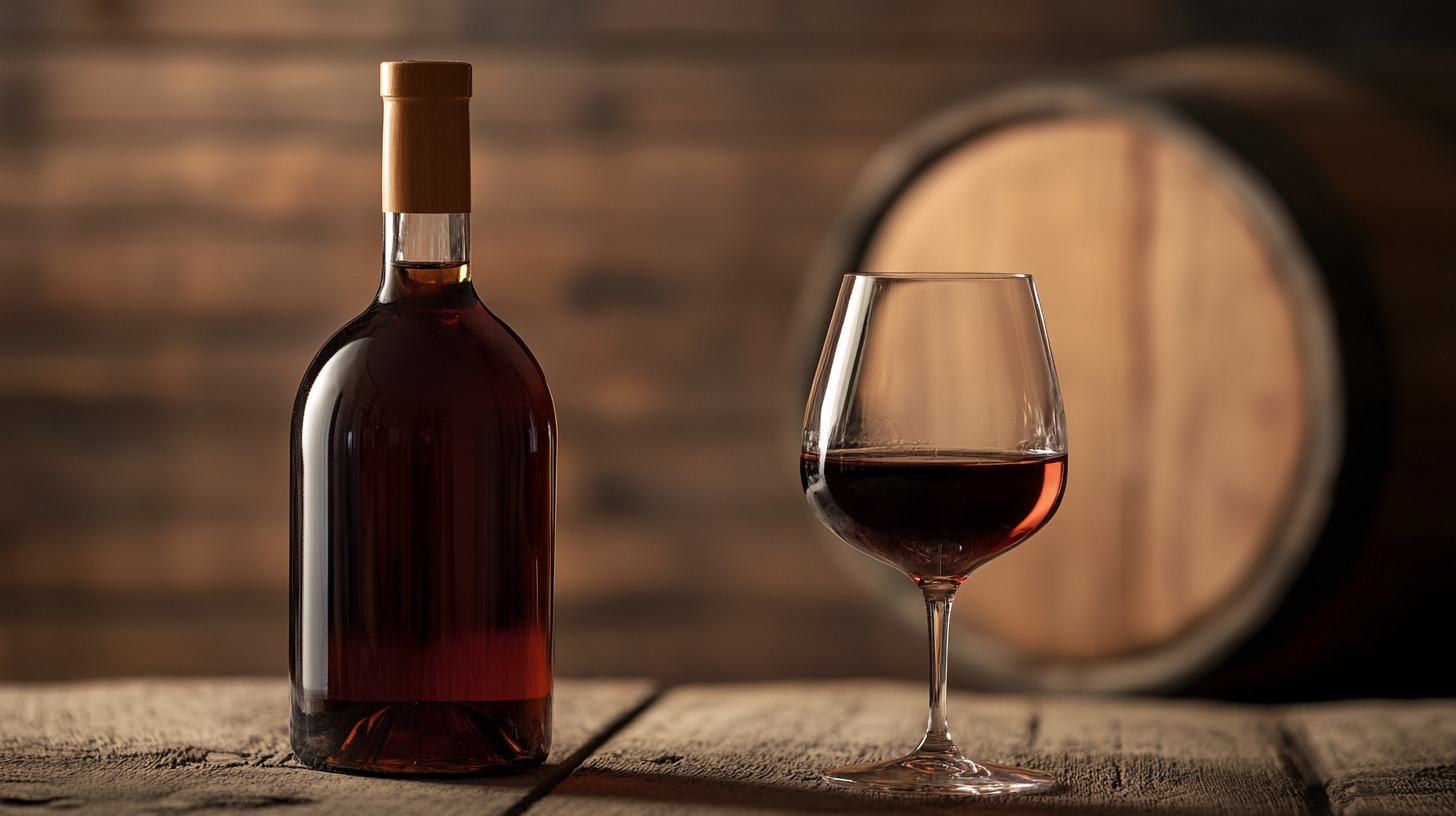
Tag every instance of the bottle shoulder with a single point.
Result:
(392, 354)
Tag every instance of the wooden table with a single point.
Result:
(623, 747)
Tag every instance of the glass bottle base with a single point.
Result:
(939, 772)
(424, 738)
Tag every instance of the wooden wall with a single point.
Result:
(189, 206)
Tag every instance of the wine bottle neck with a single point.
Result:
(426, 256)
(426, 238)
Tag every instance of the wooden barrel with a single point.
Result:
(1247, 263)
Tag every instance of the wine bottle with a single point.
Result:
(423, 490)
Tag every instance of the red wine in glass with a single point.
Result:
(933, 515)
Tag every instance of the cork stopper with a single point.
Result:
(426, 136)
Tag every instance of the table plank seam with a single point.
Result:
(561, 772)
(1301, 766)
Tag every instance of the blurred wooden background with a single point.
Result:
(189, 206)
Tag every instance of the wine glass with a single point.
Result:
(934, 440)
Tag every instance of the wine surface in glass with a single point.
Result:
(933, 516)
(430, 430)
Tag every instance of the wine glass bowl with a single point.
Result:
(935, 440)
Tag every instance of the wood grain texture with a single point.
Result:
(993, 26)
(1376, 757)
(141, 745)
(757, 749)
(148, 746)
(140, 93)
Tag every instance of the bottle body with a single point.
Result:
(423, 475)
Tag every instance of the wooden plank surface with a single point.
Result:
(148, 746)
(999, 27)
(217, 744)
(1380, 757)
(757, 749)
(133, 91)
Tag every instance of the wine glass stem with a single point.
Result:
(938, 598)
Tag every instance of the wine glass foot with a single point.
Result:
(939, 772)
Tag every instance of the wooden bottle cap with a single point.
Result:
(426, 136)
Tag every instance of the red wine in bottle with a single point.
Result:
(933, 516)
(423, 490)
